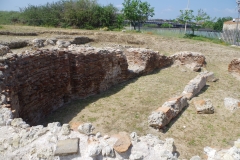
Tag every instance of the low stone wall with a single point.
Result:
(234, 66)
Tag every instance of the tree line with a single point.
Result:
(66, 13)
(86, 14)
(89, 14)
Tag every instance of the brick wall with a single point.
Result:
(35, 83)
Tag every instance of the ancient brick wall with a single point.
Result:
(144, 61)
(95, 71)
(39, 82)
(35, 83)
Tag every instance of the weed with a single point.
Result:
(136, 116)
(192, 142)
(224, 140)
(92, 119)
(210, 126)
(140, 129)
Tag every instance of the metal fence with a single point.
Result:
(229, 36)
(181, 32)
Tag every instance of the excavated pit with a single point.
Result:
(36, 83)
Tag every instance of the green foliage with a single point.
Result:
(86, 14)
(9, 17)
(218, 25)
(186, 16)
(137, 12)
(166, 25)
(195, 22)
(1, 27)
(120, 20)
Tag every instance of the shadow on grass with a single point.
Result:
(70, 110)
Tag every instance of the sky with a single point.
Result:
(164, 9)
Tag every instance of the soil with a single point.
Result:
(126, 107)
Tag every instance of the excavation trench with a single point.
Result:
(36, 83)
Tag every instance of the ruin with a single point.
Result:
(35, 83)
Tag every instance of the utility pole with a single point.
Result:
(186, 21)
(237, 36)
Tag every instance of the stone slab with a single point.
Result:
(67, 147)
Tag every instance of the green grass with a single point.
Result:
(165, 33)
(1, 27)
(205, 39)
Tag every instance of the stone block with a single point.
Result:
(231, 103)
(67, 147)
(194, 86)
(86, 128)
(234, 66)
(123, 142)
(204, 106)
(157, 119)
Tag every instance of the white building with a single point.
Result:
(231, 25)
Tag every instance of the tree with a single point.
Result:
(195, 22)
(199, 20)
(186, 17)
(137, 12)
(218, 26)
(120, 20)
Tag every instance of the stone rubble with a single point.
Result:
(4, 50)
(86, 128)
(231, 103)
(204, 106)
(49, 143)
(171, 108)
(192, 60)
(234, 66)
(37, 43)
(224, 154)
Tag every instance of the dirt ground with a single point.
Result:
(126, 107)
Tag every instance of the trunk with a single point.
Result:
(193, 29)
(138, 26)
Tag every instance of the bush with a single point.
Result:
(189, 35)
(86, 14)
(166, 25)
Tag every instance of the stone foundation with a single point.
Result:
(35, 83)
